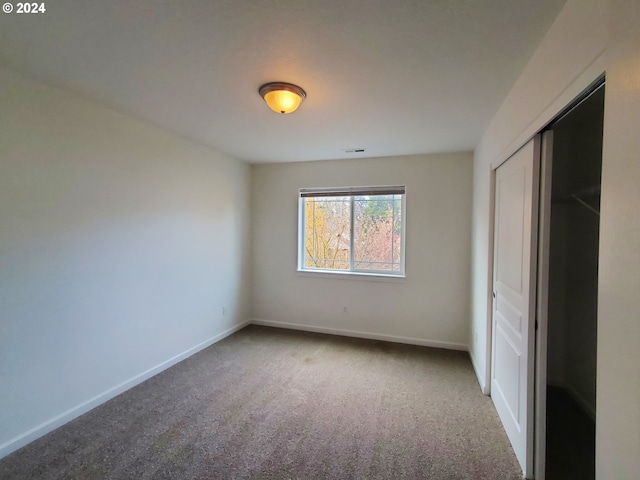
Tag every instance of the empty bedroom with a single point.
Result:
(310, 239)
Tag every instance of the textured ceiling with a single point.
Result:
(395, 77)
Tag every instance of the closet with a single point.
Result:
(573, 290)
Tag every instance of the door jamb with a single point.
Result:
(489, 328)
(540, 375)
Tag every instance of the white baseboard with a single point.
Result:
(483, 386)
(74, 412)
(359, 334)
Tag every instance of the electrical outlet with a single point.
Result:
(224, 310)
(344, 311)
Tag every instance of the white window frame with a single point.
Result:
(351, 192)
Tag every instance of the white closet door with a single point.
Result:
(514, 270)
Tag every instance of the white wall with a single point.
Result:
(431, 306)
(618, 392)
(119, 245)
(569, 58)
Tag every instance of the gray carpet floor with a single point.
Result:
(268, 403)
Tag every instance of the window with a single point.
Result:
(352, 229)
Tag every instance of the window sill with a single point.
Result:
(371, 277)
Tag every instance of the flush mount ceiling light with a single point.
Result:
(282, 97)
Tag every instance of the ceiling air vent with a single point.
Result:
(354, 150)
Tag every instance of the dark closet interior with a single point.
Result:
(573, 290)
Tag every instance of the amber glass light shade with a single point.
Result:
(282, 97)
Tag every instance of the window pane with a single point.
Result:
(327, 232)
(377, 232)
(368, 221)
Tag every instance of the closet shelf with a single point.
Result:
(580, 196)
(589, 192)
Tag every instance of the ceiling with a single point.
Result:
(395, 77)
